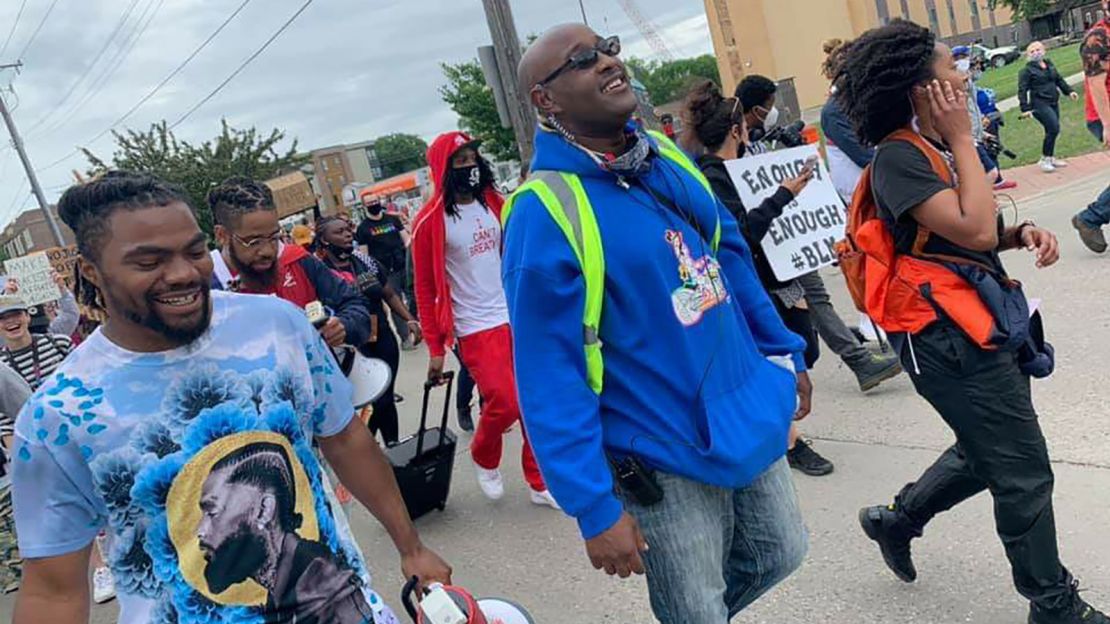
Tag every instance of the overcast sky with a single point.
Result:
(345, 71)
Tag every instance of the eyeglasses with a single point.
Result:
(272, 239)
(610, 46)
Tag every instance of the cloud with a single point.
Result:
(345, 71)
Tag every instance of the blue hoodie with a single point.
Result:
(688, 389)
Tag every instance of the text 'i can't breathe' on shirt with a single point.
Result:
(474, 270)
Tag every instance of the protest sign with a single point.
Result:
(32, 273)
(64, 262)
(801, 240)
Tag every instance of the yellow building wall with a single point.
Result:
(782, 38)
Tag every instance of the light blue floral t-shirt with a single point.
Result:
(199, 462)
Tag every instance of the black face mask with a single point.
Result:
(466, 180)
(375, 209)
(342, 253)
(741, 149)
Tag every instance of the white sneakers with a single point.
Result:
(1047, 166)
(493, 486)
(545, 498)
(104, 585)
(1059, 164)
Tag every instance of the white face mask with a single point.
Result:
(772, 118)
(963, 65)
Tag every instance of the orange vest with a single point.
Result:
(907, 293)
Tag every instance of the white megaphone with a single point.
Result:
(370, 377)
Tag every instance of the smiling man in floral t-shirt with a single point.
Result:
(185, 426)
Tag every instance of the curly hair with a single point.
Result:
(878, 74)
(86, 208)
(710, 114)
(237, 196)
(834, 56)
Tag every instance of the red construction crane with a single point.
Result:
(647, 29)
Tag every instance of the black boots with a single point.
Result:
(887, 527)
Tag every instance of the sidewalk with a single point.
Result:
(1032, 182)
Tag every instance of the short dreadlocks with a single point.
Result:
(238, 196)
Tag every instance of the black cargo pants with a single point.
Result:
(985, 399)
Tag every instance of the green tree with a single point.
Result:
(467, 93)
(399, 153)
(1024, 9)
(667, 81)
(197, 168)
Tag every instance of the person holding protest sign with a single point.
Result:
(719, 126)
(756, 95)
(932, 212)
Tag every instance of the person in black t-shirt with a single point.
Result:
(336, 246)
(889, 75)
(386, 241)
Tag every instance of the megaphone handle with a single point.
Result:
(406, 598)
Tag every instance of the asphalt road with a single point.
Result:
(878, 442)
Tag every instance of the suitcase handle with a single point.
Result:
(449, 377)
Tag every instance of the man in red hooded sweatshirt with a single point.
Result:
(456, 252)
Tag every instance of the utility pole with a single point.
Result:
(17, 143)
(506, 46)
(582, 5)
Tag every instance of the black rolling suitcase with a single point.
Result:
(422, 463)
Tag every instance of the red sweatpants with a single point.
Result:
(488, 355)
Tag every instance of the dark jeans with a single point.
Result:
(385, 348)
(1098, 213)
(465, 395)
(800, 322)
(397, 282)
(985, 399)
(1048, 114)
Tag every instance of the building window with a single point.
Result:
(952, 17)
(28, 242)
(934, 21)
(976, 20)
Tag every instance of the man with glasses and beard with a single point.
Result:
(248, 531)
(174, 375)
(251, 259)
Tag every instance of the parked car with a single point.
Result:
(996, 57)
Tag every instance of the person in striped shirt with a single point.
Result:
(33, 356)
(13, 394)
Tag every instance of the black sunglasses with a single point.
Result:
(609, 46)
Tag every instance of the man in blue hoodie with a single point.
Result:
(670, 457)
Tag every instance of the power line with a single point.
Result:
(38, 29)
(244, 65)
(88, 70)
(171, 75)
(165, 81)
(15, 24)
(113, 65)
